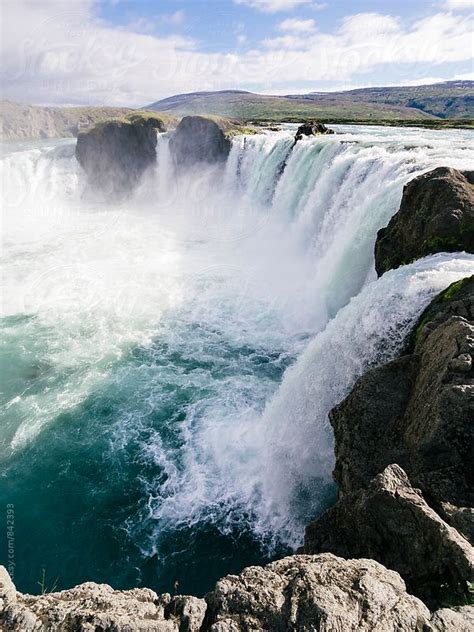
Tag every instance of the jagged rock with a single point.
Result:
(453, 620)
(188, 611)
(315, 593)
(301, 593)
(367, 424)
(392, 523)
(115, 154)
(417, 411)
(198, 140)
(436, 215)
(91, 607)
(311, 129)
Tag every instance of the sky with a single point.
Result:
(132, 53)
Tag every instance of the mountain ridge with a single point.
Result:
(446, 100)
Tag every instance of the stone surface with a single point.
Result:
(115, 154)
(91, 607)
(392, 523)
(456, 300)
(453, 620)
(311, 129)
(436, 215)
(315, 593)
(198, 140)
(301, 593)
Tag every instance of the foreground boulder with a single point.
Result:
(311, 129)
(416, 411)
(198, 140)
(391, 522)
(436, 215)
(296, 593)
(315, 593)
(115, 154)
(300, 593)
(91, 607)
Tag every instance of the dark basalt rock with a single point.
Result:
(311, 129)
(416, 411)
(115, 154)
(436, 215)
(198, 140)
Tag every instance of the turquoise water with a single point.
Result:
(168, 364)
(81, 490)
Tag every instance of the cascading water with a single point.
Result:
(169, 363)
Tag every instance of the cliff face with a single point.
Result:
(417, 412)
(20, 121)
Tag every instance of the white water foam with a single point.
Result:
(261, 257)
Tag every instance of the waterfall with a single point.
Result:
(174, 357)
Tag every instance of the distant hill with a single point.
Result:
(450, 100)
(440, 105)
(19, 121)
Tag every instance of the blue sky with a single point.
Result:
(217, 23)
(134, 52)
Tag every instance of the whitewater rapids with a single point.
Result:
(171, 361)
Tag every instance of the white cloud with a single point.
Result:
(367, 25)
(297, 26)
(467, 76)
(458, 5)
(151, 24)
(273, 6)
(70, 56)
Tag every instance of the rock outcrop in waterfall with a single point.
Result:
(312, 129)
(115, 154)
(436, 215)
(198, 140)
(417, 412)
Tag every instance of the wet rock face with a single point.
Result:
(115, 155)
(436, 215)
(198, 140)
(417, 412)
(311, 129)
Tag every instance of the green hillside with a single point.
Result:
(450, 100)
(256, 107)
